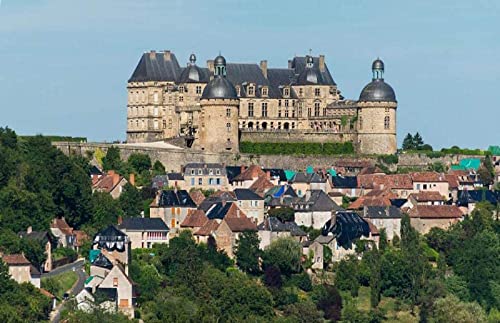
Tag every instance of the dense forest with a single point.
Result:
(444, 276)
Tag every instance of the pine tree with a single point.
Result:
(418, 142)
(408, 142)
(383, 243)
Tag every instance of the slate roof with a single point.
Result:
(205, 167)
(143, 224)
(298, 64)
(275, 225)
(318, 201)
(307, 178)
(156, 66)
(245, 194)
(220, 210)
(175, 177)
(175, 198)
(102, 261)
(232, 172)
(213, 199)
(276, 173)
(344, 181)
(435, 212)
(382, 212)
(346, 227)
(106, 294)
(398, 202)
(111, 238)
(41, 236)
(465, 197)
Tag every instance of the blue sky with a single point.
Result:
(64, 64)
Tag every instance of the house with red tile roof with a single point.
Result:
(430, 181)
(111, 183)
(425, 217)
(426, 198)
(194, 220)
(21, 269)
(248, 176)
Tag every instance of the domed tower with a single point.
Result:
(377, 115)
(218, 130)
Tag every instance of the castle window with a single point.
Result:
(264, 109)
(309, 111)
(387, 121)
(155, 123)
(228, 126)
(324, 111)
(286, 113)
(228, 112)
(317, 91)
(200, 171)
(251, 90)
(169, 99)
(164, 123)
(210, 172)
(286, 103)
(279, 113)
(286, 92)
(301, 92)
(293, 103)
(279, 103)
(360, 123)
(181, 89)
(181, 98)
(155, 97)
(250, 109)
(217, 172)
(316, 109)
(387, 110)
(293, 113)
(264, 91)
(155, 111)
(137, 123)
(198, 89)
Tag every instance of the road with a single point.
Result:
(77, 266)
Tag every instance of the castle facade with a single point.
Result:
(215, 107)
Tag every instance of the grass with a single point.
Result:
(394, 312)
(60, 284)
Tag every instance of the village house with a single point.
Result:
(114, 246)
(385, 217)
(176, 180)
(467, 200)
(144, 232)
(375, 197)
(272, 228)
(400, 184)
(63, 232)
(44, 239)
(205, 176)
(248, 176)
(345, 185)
(351, 167)
(251, 204)
(21, 270)
(261, 186)
(197, 196)
(280, 196)
(172, 206)
(303, 182)
(426, 198)
(118, 279)
(194, 221)
(111, 183)
(314, 250)
(314, 209)
(425, 217)
(430, 181)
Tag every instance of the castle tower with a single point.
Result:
(377, 115)
(218, 130)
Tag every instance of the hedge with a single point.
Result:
(296, 148)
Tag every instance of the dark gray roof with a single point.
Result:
(218, 210)
(106, 294)
(378, 64)
(377, 91)
(143, 224)
(382, 212)
(205, 167)
(194, 74)
(159, 181)
(299, 65)
(232, 172)
(111, 238)
(345, 181)
(219, 88)
(318, 201)
(175, 177)
(465, 197)
(102, 261)
(398, 202)
(178, 198)
(239, 73)
(346, 227)
(278, 78)
(307, 178)
(276, 173)
(159, 66)
(275, 225)
(41, 236)
(243, 194)
(211, 200)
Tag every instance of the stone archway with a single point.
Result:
(264, 125)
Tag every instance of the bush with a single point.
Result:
(302, 281)
(297, 148)
(388, 159)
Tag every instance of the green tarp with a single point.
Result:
(289, 174)
(332, 172)
(309, 170)
(467, 163)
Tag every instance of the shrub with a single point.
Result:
(297, 148)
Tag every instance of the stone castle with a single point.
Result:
(214, 108)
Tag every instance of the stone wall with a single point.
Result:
(174, 159)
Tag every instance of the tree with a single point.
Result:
(451, 309)
(158, 168)
(303, 312)
(248, 253)
(375, 277)
(284, 214)
(139, 162)
(285, 254)
(272, 277)
(418, 142)
(329, 301)
(112, 161)
(131, 201)
(346, 276)
(408, 142)
(383, 244)
(105, 210)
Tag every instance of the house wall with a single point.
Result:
(267, 237)
(317, 252)
(441, 187)
(392, 226)
(301, 188)
(225, 238)
(312, 219)
(193, 181)
(254, 209)
(35, 281)
(20, 274)
(123, 287)
(172, 216)
(424, 225)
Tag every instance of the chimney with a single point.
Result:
(29, 230)
(152, 54)
(131, 179)
(268, 175)
(289, 63)
(167, 55)
(120, 219)
(321, 63)
(242, 168)
(210, 65)
(263, 67)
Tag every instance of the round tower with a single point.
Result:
(219, 113)
(377, 115)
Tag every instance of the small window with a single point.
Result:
(200, 171)
(316, 109)
(181, 89)
(251, 90)
(217, 180)
(210, 172)
(228, 112)
(200, 181)
(217, 172)
(387, 121)
(192, 181)
(301, 92)
(228, 127)
(155, 97)
(250, 109)
(264, 91)
(181, 98)
(286, 92)
(198, 89)
(115, 281)
(287, 103)
(317, 91)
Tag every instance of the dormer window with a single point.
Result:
(210, 171)
(181, 89)
(264, 91)
(238, 90)
(251, 90)
(200, 171)
(286, 92)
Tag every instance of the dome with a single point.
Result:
(378, 91)
(219, 88)
(192, 58)
(220, 60)
(378, 64)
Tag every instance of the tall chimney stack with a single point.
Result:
(167, 55)
(263, 67)
(321, 63)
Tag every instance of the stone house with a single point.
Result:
(115, 245)
(21, 270)
(426, 198)
(272, 228)
(44, 239)
(400, 184)
(194, 221)
(248, 176)
(384, 217)
(118, 279)
(315, 250)
(345, 185)
(144, 232)
(111, 183)
(314, 209)
(303, 182)
(205, 176)
(425, 217)
(430, 181)
(261, 186)
(64, 233)
(172, 207)
(251, 204)
(467, 200)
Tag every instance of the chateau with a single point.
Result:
(214, 108)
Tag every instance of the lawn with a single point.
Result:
(60, 284)
(388, 305)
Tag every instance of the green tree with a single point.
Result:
(139, 162)
(158, 168)
(131, 201)
(346, 275)
(284, 214)
(451, 309)
(105, 210)
(383, 244)
(285, 254)
(374, 262)
(329, 301)
(408, 142)
(248, 253)
(418, 142)
(112, 161)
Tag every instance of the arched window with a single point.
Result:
(264, 125)
(250, 125)
(387, 121)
